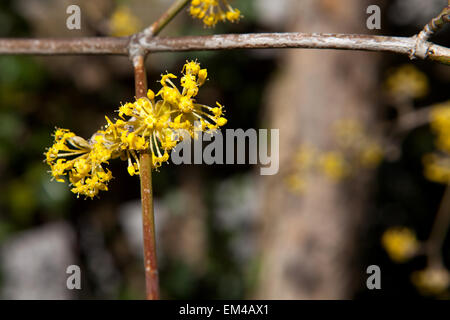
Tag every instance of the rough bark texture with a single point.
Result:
(308, 242)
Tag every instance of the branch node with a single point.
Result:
(421, 48)
(135, 48)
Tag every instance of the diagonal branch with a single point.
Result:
(439, 231)
(414, 119)
(167, 16)
(134, 46)
(436, 24)
(421, 48)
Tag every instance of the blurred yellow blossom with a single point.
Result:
(296, 183)
(437, 164)
(334, 165)
(437, 168)
(400, 243)
(213, 11)
(123, 22)
(305, 157)
(371, 155)
(355, 143)
(431, 281)
(354, 149)
(349, 132)
(406, 82)
(144, 125)
(304, 160)
(440, 125)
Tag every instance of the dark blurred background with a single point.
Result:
(223, 231)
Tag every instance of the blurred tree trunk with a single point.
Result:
(308, 241)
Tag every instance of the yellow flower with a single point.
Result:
(349, 132)
(354, 150)
(437, 165)
(295, 183)
(440, 124)
(305, 157)
(123, 22)
(407, 82)
(82, 161)
(437, 168)
(145, 125)
(213, 11)
(304, 162)
(371, 155)
(431, 281)
(400, 244)
(334, 165)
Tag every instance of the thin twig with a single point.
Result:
(167, 16)
(413, 119)
(400, 45)
(439, 230)
(148, 219)
(421, 48)
(65, 46)
(435, 24)
(400, 128)
(135, 47)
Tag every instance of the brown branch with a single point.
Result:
(435, 24)
(421, 48)
(439, 230)
(54, 46)
(134, 46)
(398, 130)
(148, 219)
(413, 119)
(400, 45)
(165, 18)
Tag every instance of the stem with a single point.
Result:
(413, 119)
(421, 49)
(167, 16)
(435, 24)
(148, 219)
(121, 46)
(439, 230)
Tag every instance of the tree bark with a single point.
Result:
(308, 241)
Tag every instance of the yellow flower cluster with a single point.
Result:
(363, 150)
(406, 82)
(354, 150)
(123, 22)
(431, 281)
(81, 160)
(213, 11)
(437, 168)
(334, 165)
(440, 124)
(146, 125)
(304, 162)
(400, 244)
(437, 165)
